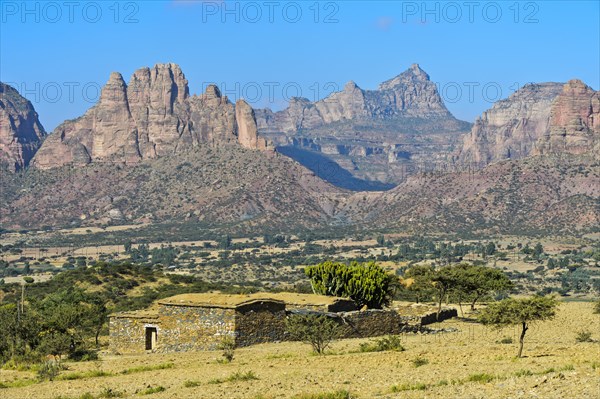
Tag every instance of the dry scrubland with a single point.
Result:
(555, 366)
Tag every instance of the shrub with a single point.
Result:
(83, 355)
(151, 390)
(49, 370)
(410, 387)
(109, 393)
(227, 345)
(389, 343)
(584, 336)
(419, 361)
(317, 330)
(191, 384)
(482, 378)
(506, 340)
(523, 373)
(237, 376)
(597, 307)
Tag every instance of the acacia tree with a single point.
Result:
(523, 312)
(474, 282)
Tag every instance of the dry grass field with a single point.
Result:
(470, 363)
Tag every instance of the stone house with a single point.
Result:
(192, 322)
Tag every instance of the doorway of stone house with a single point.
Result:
(151, 338)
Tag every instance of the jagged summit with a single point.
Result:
(21, 132)
(151, 116)
(410, 76)
(409, 94)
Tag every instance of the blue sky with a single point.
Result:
(59, 53)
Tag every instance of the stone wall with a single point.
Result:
(259, 322)
(190, 328)
(127, 333)
(370, 323)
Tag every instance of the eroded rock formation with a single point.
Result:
(152, 116)
(21, 132)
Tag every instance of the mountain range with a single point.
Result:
(391, 158)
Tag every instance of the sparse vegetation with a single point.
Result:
(317, 330)
(151, 390)
(237, 376)
(325, 395)
(419, 361)
(389, 343)
(584, 336)
(227, 345)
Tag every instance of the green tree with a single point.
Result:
(474, 281)
(417, 279)
(366, 284)
(521, 312)
(538, 250)
(317, 330)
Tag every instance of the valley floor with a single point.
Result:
(470, 363)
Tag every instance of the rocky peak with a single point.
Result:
(351, 86)
(152, 116)
(412, 75)
(21, 132)
(212, 91)
(246, 127)
(410, 94)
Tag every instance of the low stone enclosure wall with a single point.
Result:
(193, 322)
(377, 322)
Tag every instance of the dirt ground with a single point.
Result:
(554, 366)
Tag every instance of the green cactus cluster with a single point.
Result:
(367, 284)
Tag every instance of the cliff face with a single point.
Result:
(152, 116)
(574, 122)
(539, 119)
(511, 128)
(21, 132)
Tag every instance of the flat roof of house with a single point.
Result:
(233, 301)
(215, 300)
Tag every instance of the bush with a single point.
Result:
(506, 340)
(317, 330)
(227, 345)
(419, 361)
(151, 390)
(49, 370)
(597, 307)
(482, 378)
(584, 336)
(83, 355)
(389, 343)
